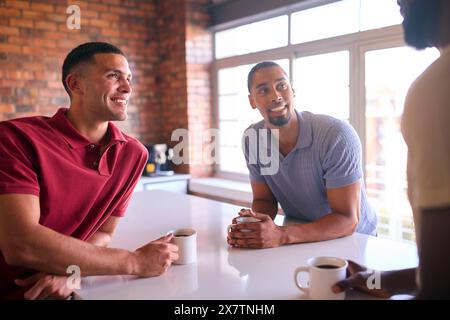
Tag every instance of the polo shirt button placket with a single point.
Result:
(95, 164)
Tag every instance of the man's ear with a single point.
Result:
(252, 101)
(293, 92)
(73, 82)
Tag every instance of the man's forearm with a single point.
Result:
(331, 226)
(399, 281)
(266, 207)
(52, 252)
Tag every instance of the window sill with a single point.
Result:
(225, 190)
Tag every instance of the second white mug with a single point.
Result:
(244, 219)
(323, 272)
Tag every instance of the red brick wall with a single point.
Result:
(198, 61)
(172, 68)
(34, 40)
(186, 56)
(165, 41)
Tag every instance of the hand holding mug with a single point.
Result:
(186, 240)
(359, 276)
(323, 273)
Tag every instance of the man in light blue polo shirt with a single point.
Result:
(315, 173)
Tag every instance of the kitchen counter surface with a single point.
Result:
(222, 272)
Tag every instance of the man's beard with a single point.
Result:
(280, 121)
(421, 24)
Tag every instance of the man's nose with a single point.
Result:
(276, 96)
(125, 86)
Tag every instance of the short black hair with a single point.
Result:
(85, 53)
(259, 66)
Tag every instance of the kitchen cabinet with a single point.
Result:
(176, 183)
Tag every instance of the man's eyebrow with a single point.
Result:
(261, 85)
(265, 83)
(118, 71)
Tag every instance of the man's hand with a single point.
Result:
(357, 278)
(155, 258)
(45, 286)
(264, 234)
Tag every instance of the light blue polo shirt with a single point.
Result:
(327, 155)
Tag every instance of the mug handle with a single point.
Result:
(299, 285)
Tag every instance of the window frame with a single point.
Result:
(355, 43)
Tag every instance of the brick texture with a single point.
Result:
(198, 62)
(167, 45)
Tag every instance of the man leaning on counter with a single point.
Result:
(319, 176)
(66, 181)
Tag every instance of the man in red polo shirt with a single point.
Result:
(66, 180)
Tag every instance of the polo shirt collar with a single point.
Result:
(304, 139)
(73, 138)
(115, 134)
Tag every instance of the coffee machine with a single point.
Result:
(159, 161)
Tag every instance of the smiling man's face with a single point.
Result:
(272, 94)
(107, 87)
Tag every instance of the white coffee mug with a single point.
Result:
(243, 219)
(186, 240)
(323, 272)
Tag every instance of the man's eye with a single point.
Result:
(282, 86)
(113, 75)
(262, 91)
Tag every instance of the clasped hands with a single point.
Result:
(263, 234)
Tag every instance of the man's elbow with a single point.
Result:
(106, 240)
(351, 225)
(101, 239)
(17, 254)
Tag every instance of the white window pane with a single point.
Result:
(321, 84)
(233, 80)
(389, 73)
(232, 159)
(235, 115)
(325, 21)
(231, 133)
(230, 106)
(253, 37)
(379, 13)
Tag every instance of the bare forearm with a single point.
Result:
(51, 252)
(399, 281)
(266, 207)
(331, 226)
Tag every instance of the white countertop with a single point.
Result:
(222, 272)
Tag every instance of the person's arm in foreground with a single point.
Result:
(341, 221)
(390, 282)
(434, 264)
(26, 243)
(48, 286)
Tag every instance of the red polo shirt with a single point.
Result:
(77, 188)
